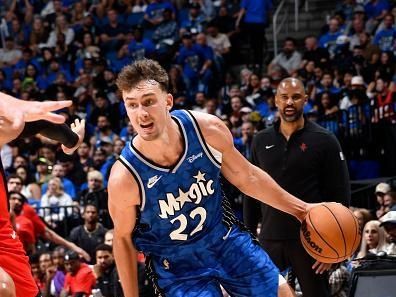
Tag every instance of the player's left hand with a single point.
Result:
(321, 267)
(77, 127)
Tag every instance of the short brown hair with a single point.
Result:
(138, 71)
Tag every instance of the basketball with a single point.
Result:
(330, 233)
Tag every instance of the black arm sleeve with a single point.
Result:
(58, 132)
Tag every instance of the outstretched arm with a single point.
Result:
(55, 238)
(15, 112)
(248, 178)
(123, 201)
(70, 137)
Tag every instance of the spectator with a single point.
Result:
(58, 279)
(382, 95)
(79, 279)
(243, 143)
(84, 154)
(380, 190)
(339, 281)
(357, 29)
(368, 49)
(103, 132)
(388, 222)
(73, 170)
(373, 239)
(220, 44)
(385, 39)
(363, 216)
(312, 52)
(108, 239)
(9, 54)
(40, 229)
(375, 11)
(91, 233)
(54, 203)
(389, 201)
(96, 194)
(356, 95)
(68, 186)
(24, 226)
(31, 191)
(61, 27)
(112, 34)
(195, 64)
(153, 14)
(140, 47)
(256, 15)
(46, 269)
(195, 20)
(166, 36)
(39, 35)
(105, 271)
(328, 40)
(289, 59)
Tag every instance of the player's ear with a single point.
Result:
(169, 102)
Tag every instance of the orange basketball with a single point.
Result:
(330, 233)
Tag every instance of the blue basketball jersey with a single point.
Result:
(180, 205)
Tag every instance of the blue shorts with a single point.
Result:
(237, 263)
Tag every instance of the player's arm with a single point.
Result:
(70, 137)
(123, 200)
(248, 178)
(55, 238)
(14, 113)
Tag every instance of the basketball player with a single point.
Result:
(165, 189)
(307, 161)
(15, 274)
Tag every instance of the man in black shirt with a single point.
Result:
(307, 161)
(91, 233)
(105, 271)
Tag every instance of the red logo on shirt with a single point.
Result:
(303, 147)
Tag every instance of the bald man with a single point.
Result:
(307, 161)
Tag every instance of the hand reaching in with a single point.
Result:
(77, 127)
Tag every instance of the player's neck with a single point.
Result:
(288, 128)
(166, 149)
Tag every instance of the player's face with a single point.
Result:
(290, 99)
(148, 109)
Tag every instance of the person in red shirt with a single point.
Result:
(15, 275)
(14, 185)
(23, 226)
(80, 278)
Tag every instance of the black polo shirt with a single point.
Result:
(310, 165)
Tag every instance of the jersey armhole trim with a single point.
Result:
(139, 181)
(202, 141)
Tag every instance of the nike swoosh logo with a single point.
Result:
(152, 181)
(267, 147)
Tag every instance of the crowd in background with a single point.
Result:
(56, 50)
